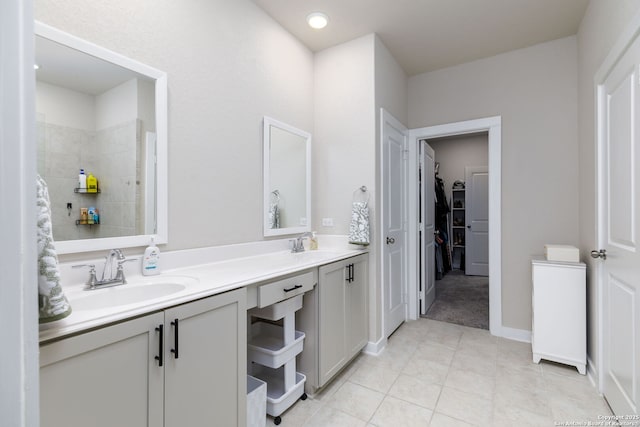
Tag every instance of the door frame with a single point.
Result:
(492, 125)
(627, 37)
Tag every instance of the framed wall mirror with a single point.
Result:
(287, 179)
(106, 114)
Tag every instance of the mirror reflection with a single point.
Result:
(287, 178)
(98, 117)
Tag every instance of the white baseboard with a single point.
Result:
(592, 374)
(375, 348)
(521, 335)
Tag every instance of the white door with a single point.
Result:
(619, 222)
(477, 218)
(394, 137)
(427, 228)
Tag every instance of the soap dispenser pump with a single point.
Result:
(151, 260)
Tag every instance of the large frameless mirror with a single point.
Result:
(287, 179)
(106, 114)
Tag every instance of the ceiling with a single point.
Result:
(70, 68)
(426, 35)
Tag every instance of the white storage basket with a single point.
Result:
(256, 402)
(267, 346)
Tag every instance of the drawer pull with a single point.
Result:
(175, 338)
(161, 345)
(292, 289)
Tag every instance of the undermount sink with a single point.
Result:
(131, 293)
(313, 256)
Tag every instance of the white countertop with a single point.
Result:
(199, 281)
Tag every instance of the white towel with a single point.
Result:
(359, 228)
(52, 303)
(274, 216)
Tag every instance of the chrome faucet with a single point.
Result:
(297, 243)
(119, 279)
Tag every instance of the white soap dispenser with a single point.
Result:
(151, 260)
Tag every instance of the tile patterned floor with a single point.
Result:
(440, 374)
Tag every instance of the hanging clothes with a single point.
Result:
(442, 206)
(442, 209)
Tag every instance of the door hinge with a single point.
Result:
(405, 154)
(420, 227)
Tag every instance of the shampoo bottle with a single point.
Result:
(313, 241)
(92, 184)
(151, 260)
(82, 181)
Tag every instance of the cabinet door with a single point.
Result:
(205, 382)
(332, 318)
(105, 378)
(357, 303)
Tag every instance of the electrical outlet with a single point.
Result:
(327, 222)
(303, 222)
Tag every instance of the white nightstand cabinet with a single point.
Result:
(559, 308)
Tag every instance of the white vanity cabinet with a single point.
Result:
(104, 378)
(205, 370)
(334, 319)
(112, 376)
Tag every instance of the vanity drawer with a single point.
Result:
(286, 288)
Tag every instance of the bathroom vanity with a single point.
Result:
(181, 359)
(173, 367)
(171, 350)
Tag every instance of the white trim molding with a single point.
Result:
(592, 374)
(19, 384)
(493, 126)
(375, 348)
(514, 334)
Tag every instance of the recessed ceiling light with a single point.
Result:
(317, 20)
(36, 66)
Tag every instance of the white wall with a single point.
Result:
(228, 64)
(344, 141)
(535, 92)
(352, 82)
(146, 104)
(456, 153)
(65, 107)
(117, 105)
(600, 28)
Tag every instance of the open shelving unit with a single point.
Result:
(273, 346)
(458, 227)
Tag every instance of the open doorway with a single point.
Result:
(493, 126)
(460, 220)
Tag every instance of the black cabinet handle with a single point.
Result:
(353, 274)
(174, 350)
(159, 358)
(349, 273)
(293, 289)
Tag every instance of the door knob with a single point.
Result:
(469, 227)
(602, 253)
(390, 240)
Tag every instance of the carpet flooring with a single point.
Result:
(461, 299)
